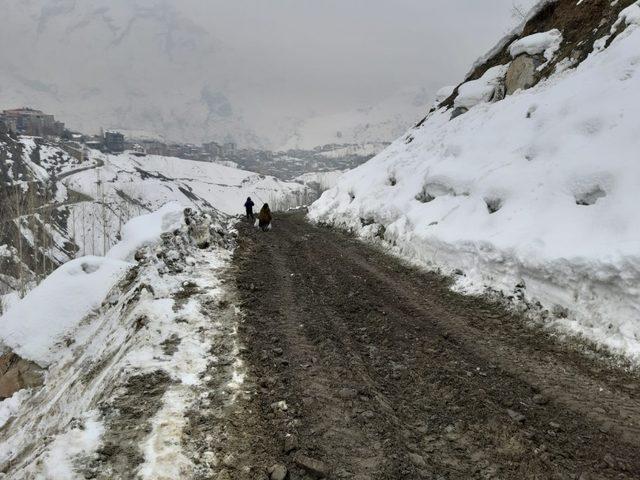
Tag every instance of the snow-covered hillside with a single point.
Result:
(55, 207)
(127, 183)
(526, 179)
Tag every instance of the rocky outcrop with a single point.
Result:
(17, 373)
(581, 28)
(521, 73)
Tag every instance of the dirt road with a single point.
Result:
(363, 368)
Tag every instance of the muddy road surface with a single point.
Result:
(363, 368)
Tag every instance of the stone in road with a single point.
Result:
(381, 372)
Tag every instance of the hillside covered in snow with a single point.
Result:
(56, 207)
(524, 179)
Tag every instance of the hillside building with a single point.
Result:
(27, 121)
(114, 141)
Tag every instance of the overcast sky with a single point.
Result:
(339, 51)
(178, 67)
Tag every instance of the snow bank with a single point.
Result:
(146, 229)
(161, 323)
(631, 14)
(482, 90)
(546, 43)
(540, 188)
(36, 326)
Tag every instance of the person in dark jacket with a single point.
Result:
(264, 218)
(249, 207)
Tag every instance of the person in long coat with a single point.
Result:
(264, 218)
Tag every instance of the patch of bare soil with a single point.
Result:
(127, 419)
(364, 368)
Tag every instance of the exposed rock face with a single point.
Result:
(580, 28)
(521, 74)
(16, 374)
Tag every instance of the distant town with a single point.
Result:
(285, 165)
(28, 121)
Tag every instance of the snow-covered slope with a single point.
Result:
(55, 207)
(534, 194)
(125, 348)
(131, 185)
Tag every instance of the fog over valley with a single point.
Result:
(276, 74)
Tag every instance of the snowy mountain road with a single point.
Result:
(365, 368)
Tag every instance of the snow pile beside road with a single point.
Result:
(131, 363)
(146, 229)
(36, 326)
(534, 195)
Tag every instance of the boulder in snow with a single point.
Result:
(16, 374)
(521, 74)
(488, 88)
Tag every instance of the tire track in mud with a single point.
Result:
(379, 371)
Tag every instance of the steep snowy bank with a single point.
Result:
(125, 354)
(535, 193)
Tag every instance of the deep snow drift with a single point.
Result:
(535, 193)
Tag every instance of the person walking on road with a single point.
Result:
(248, 205)
(264, 218)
